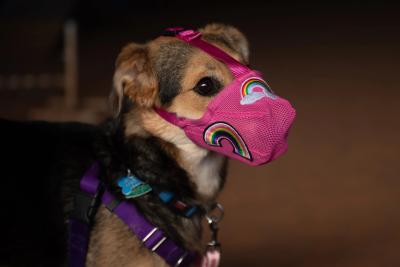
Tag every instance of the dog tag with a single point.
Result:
(127, 183)
(139, 190)
(132, 187)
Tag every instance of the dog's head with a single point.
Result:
(180, 78)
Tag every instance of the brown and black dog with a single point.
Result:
(43, 162)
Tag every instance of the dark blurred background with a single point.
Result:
(333, 199)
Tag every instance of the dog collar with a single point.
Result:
(151, 236)
(132, 187)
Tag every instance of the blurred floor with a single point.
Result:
(333, 199)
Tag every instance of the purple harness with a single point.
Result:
(152, 237)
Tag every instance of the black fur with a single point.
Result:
(36, 160)
(169, 66)
(41, 167)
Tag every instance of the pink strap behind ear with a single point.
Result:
(168, 116)
(194, 38)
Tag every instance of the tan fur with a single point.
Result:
(188, 103)
(134, 77)
(133, 124)
(112, 243)
(214, 32)
(194, 159)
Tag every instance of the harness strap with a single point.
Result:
(78, 242)
(152, 237)
(81, 218)
(194, 38)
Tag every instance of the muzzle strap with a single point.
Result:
(194, 38)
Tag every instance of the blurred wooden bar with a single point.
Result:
(71, 64)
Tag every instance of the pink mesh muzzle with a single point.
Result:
(245, 121)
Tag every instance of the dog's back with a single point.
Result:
(38, 159)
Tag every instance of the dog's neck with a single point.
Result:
(148, 159)
(193, 174)
(205, 169)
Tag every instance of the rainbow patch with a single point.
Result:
(249, 93)
(214, 134)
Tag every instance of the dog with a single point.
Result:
(43, 162)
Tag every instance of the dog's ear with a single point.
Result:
(228, 36)
(133, 79)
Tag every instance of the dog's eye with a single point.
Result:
(207, 86)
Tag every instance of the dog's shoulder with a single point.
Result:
(43, 129)
(35, 150)
(38, 159)
(39, 136)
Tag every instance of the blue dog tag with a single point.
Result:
(128, 183)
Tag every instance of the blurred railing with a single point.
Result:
(59, 89)
(67, 81)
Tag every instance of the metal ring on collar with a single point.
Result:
(214, 218)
